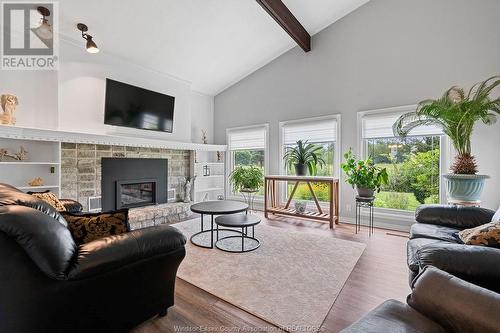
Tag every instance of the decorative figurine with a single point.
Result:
(36, 182)
(8, 103)
(187, 188)
(219, 156)
(204, 138)
(21, 156)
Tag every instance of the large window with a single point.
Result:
(247, 147)
(320, 131)
(413, 163)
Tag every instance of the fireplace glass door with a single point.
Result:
(135, 193)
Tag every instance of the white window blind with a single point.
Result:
(247, 138)
(314, 131)
(380, 126)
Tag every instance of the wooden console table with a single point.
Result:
(272, 205)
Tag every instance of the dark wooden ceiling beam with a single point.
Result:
(284, 17)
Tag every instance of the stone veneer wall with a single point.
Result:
(81, 167)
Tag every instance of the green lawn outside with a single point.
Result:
(399, 200)
(393, 200)
(303, 192)
(403, 201)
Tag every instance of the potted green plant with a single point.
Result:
(247, 178)
(363, 174)
(304, 156)
(456, 112)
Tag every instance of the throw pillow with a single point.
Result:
(49, 198)
(88, 227)
(496, 217)
(487, 235)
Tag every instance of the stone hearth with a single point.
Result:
(143, 217)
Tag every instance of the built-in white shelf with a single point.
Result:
(43, 160)
(210, 189)
(209, 163)
(29, 163)
(26, 133)
(211, 176)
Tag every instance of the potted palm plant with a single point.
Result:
(304, 156)
(363, 175)
(456, 112)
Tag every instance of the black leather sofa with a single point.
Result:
(439, 303)
(72, 206)
(49, 284)
(433, 242)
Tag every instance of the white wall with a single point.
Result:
(37, 94)
(486, 148)
(82, 86)
(73, 98)
(386, 53)
(202, 117)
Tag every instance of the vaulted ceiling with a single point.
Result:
(210, 43)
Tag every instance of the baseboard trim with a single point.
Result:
(396, 226)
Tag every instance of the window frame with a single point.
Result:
(337, 153)
(230, 158)
(445, 152)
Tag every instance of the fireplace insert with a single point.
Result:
(133, 182)
(135, 193)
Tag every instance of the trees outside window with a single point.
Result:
(254, 157)
(249, 157)
(413, 165)
(247, 147)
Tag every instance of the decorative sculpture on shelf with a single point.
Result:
(21, 156)
(187, 188)
(204, 137)
(219, 156)
(36, 182)
(8, 103)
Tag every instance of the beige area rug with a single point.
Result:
(291, 281)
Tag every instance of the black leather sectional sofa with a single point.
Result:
(433, 242)
(439, 303)
(455, 287)
(49, 284)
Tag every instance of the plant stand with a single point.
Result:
(364, 202)
(271, 202)
(249, 197)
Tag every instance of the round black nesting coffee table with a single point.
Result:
(218, 207)
(243, 221)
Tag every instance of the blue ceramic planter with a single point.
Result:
(467, 188)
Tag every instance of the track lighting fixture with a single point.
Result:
(91, 45)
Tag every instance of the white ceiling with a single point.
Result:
(210, 43)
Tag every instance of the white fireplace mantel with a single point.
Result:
(25, 133)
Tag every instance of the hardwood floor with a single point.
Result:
(380, 274)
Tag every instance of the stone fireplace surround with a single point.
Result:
(81, 167)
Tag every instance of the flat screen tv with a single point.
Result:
(130, 106)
